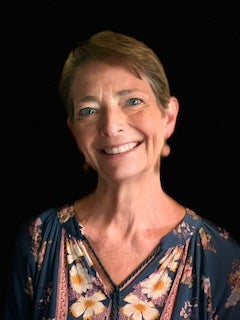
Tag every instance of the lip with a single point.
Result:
(119, 149)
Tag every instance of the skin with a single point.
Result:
(116, 111)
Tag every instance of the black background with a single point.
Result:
(199, 46)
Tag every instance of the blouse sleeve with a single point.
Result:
(19, 294)
(221, 276)
(33, 277)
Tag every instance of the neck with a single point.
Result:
(132, 204)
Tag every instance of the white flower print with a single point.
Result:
(157, 285)
(88, 306)
(137, 309)
(79, 279)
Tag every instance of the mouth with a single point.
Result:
(121, 149)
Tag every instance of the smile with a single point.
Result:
(121, 149)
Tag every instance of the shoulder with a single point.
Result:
(58, 215)
(210, 232)
(215, 250)
(217, 256)
(211, 238)
(43, 220)
(46, 224)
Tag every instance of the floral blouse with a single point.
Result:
(194, 273)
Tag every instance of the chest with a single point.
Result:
(119, 263)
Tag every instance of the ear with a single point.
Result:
(171, 114)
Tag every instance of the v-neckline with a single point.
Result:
(132, 275)
(144, 265)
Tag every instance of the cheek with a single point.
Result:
(79, 138)
(155, 131)
(153, 126)
(84, 139)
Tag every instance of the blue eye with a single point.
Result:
(85, 112)
(134, 101)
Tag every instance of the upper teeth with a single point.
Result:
(121, 149)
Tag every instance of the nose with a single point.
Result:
(111, 122)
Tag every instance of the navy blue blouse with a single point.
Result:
(194, 273)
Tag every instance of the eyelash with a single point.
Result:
(134, 100)
(85, 112)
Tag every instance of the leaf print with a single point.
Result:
(206, 240)
(234, 283)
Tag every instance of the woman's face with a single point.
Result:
(118, 125)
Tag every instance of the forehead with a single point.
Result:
(97, 75)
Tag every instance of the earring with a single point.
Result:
(165, 150)
(85, 166)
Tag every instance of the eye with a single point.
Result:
(134, 101)
(85, 112)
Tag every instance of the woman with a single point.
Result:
(126, 250)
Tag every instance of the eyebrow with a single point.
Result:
(88, 98)
(125, 92)
(118, 94)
